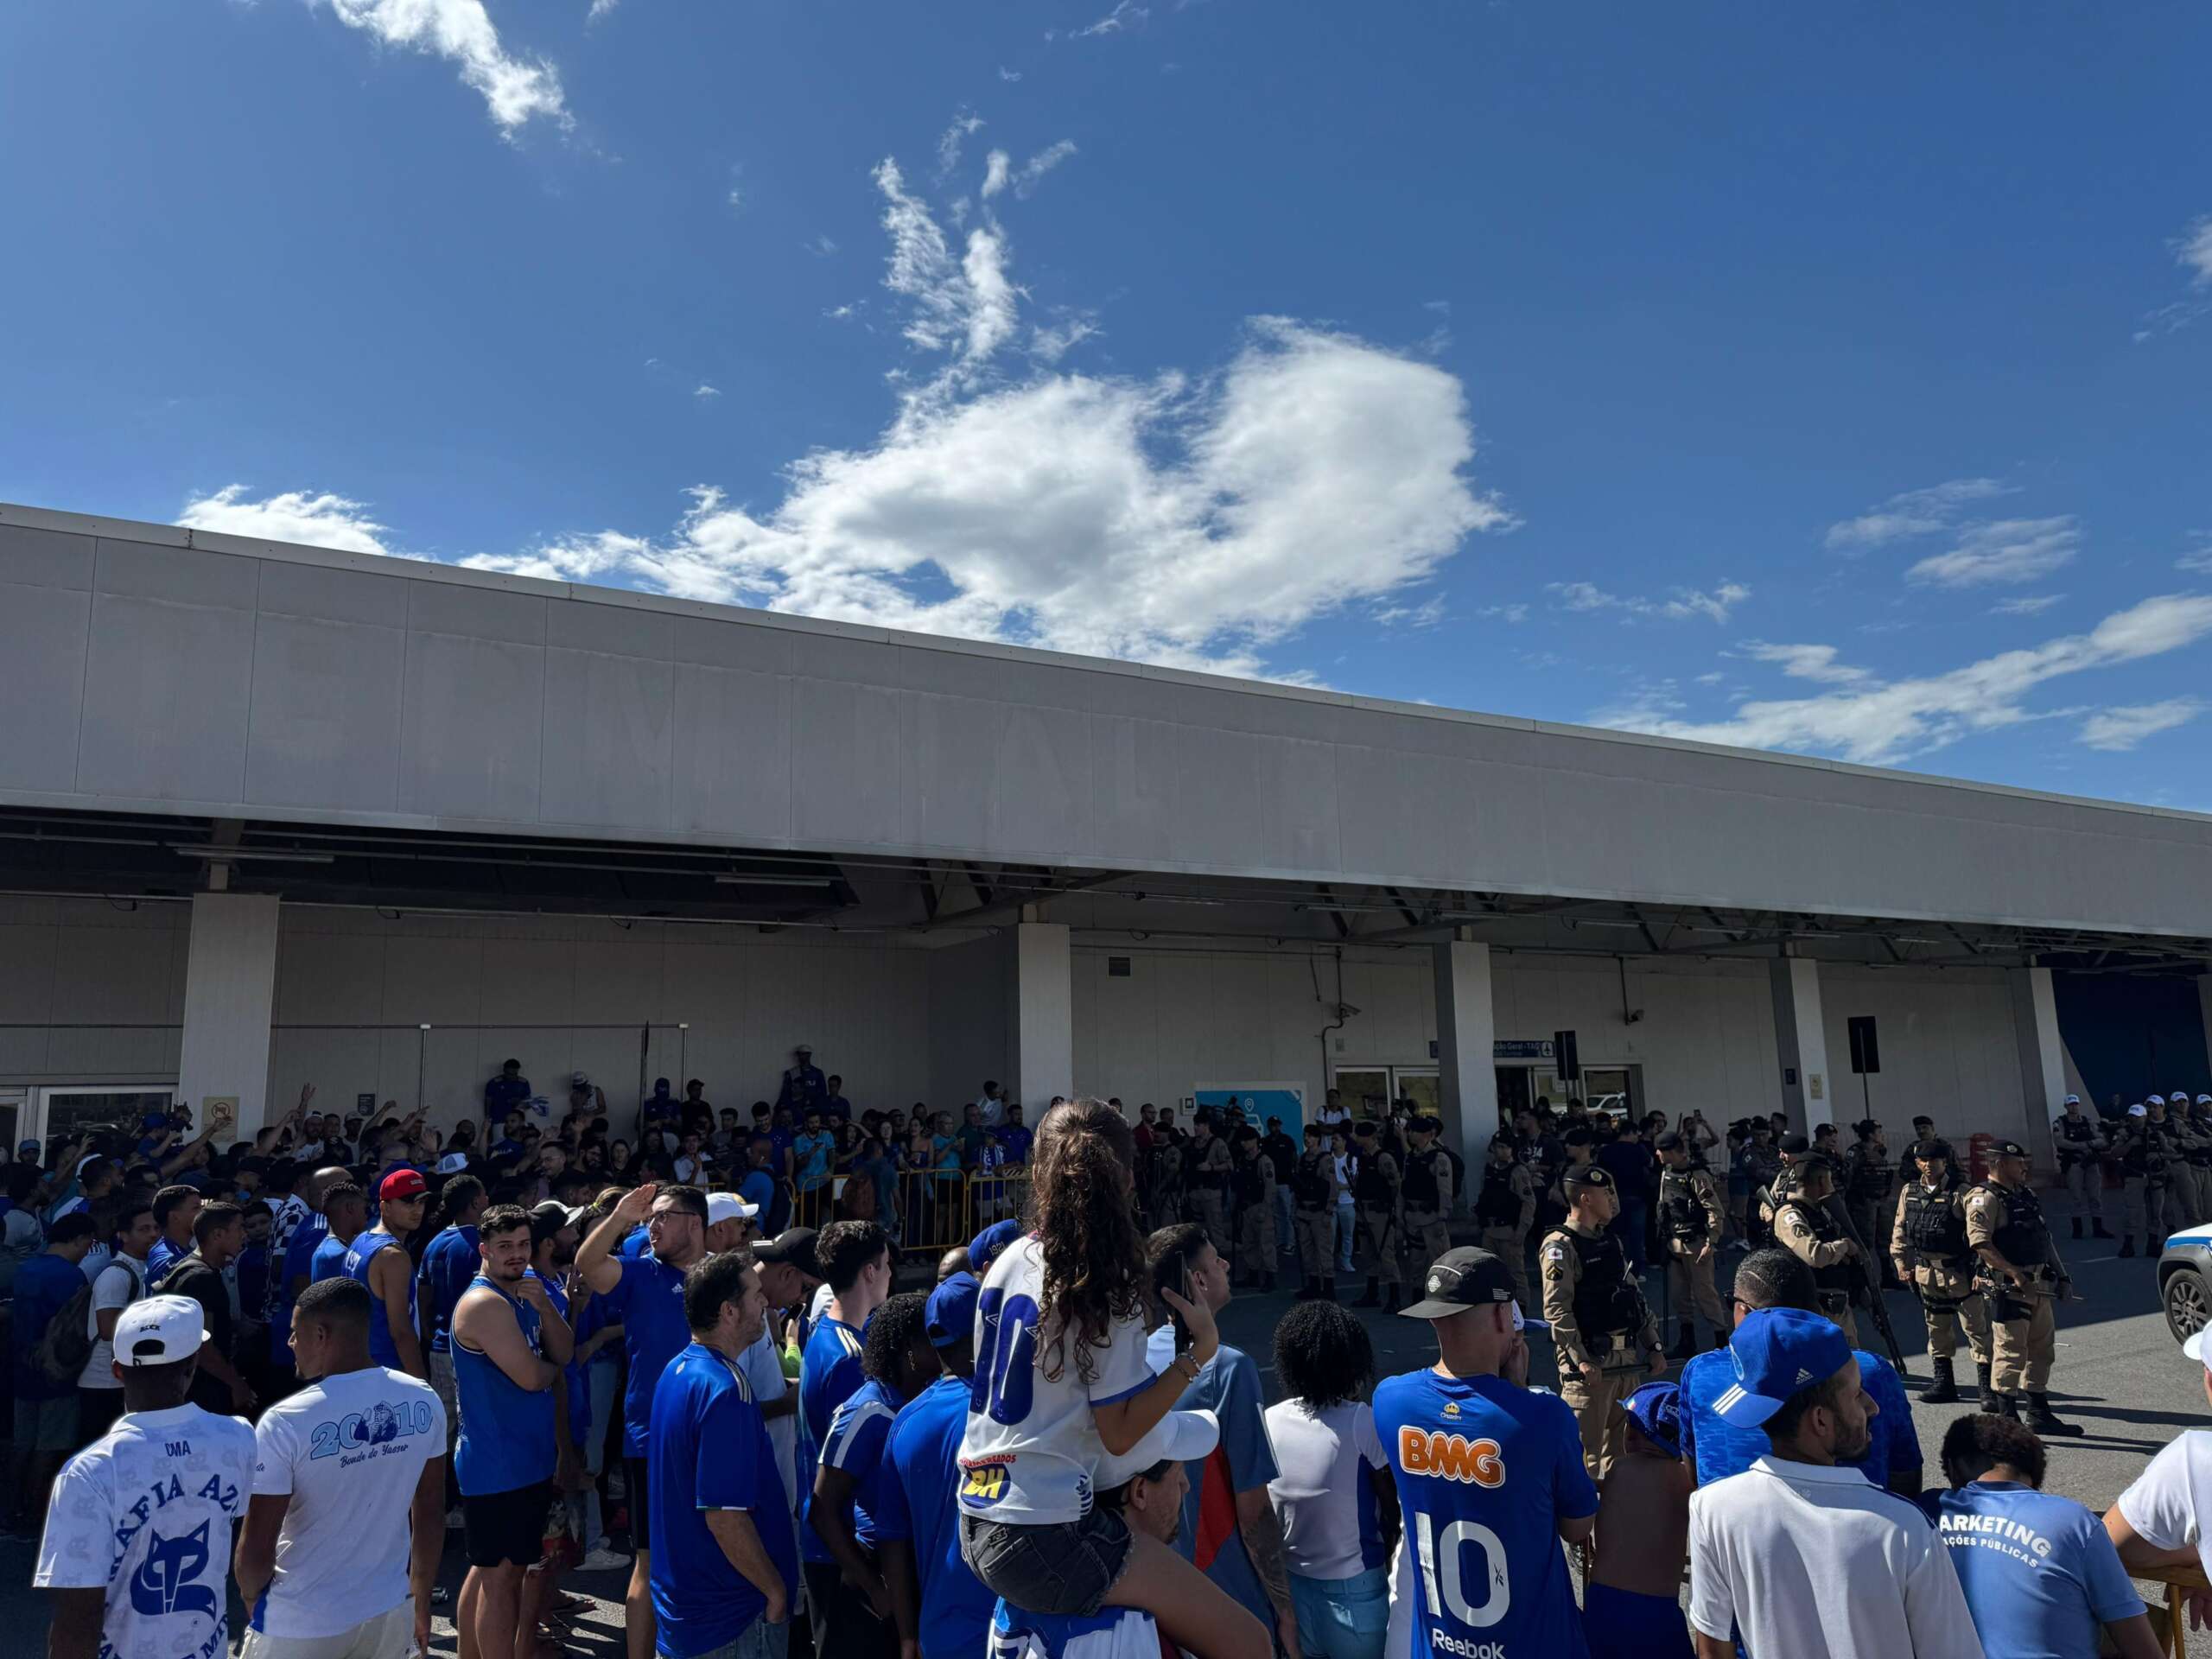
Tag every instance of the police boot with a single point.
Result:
(2078, 1226)
(1944, 1388)
(2127, 1247)
(2037, 1414)
(1991, 1400)
(1328, 1288)
(1685, 1344)
(1372, 1299)
(2097, 1228)
(1267, 1281)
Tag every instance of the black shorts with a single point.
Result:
(634, 1494)
(506, 1529)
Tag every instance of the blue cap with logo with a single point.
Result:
(1778, 1350)
(984, 1247)
(952, 1310)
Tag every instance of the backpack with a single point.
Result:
(67, 1344)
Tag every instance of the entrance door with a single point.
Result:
(1513, 1095)
(64, 1113)
(1422, 1086)
(1365, 1089)
(15, 1104)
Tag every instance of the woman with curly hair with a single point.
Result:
(1062, 1383)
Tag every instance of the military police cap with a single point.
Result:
(1797, 1145)
(2008, 1149)
(1669, 1141)
(1590, 1175)
(1865, 1126)
(1932, 1149)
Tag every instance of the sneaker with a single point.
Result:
(617, 1487)
(602, 1559)
(455, 1520)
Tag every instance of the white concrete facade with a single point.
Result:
(230, 997)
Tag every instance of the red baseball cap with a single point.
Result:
(403, 1183)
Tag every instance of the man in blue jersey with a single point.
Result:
(1490, 1477)
(850, 1484)
(345, 1210)
(450, 1263)
(940, 1605)
(379, 1259)
(294, 1272)
(725, 1575)
(645, 1295)
(1774, 1278)
(175, 1208)
(854, 1258)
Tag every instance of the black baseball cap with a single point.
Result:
(1461, 1278)
(795, 1246)
(1669, 1141)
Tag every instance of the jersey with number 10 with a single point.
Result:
(1485, 1473)
(1031, 1445)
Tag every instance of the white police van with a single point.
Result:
(2185, 1280)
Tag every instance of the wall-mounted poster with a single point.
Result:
(1258, 1101)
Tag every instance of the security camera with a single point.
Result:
(1634, 1015)
(1345, 1010)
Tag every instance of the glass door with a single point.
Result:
(15, 1110)
(65, 1113)
(1420, 1086)
(1365, 1089)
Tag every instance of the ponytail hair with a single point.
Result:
(1083, 1209)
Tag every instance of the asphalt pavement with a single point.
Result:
(2119, 1374)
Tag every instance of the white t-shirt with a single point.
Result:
(1809, 1559)
(144, 1513)
(818, 1304)
(1028, 1459)
(1321, 1493)
(122, 1282)
(2166, 1499)
(349, 1451)
(763, 1366)
(993, 1112)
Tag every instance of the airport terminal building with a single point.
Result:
(274, 815)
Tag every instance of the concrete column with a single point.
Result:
(1801, 1043)
(230, 996)
(2043, 1052)
(1044, 1016)
(1467, 1032)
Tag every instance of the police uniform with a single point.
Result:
(1505, 1204)
(1253, 1184)
(2145, 1153)
(2009, 1221)
(2190, 1199)
(1762, 1163)
(1167, 1179)
(1426, 1190)
(1205, 1189)
(2079, 1141)
(1869, 1181)
(1313, 1204)
(1810, 1232)
(1375, 1198)
(1691, 1219)
(1599, 1317)
(1930, 1238)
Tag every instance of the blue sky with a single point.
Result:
(1830, 383)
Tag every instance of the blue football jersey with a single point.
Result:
(1485, 1473)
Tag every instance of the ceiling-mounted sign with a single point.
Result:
(1522, 1050)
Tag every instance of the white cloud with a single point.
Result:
(515, 89)
(2123, 729)
(600, 8)
(2198, 558)
(966, 123)
(1426, 614)
(1127, 15)
(1195, 520)
(1684, 603)
(821, 247)
(1875, 721)
(2025, 605)
(702, 391)
(1915, 512)
(319, 520)
(1510, 612)
(2194, 250)
(998, 167)
(2009, 550)
(1051, 344)
(1006, 73)
(1805, 662)
(1035, 169)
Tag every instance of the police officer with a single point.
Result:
(2145, 1155)
(1427, 1191)
(2190, 1199)
(1254, 1188)
(1602, 1331)
(2024, 1277)
(1868, 1180)
(1928, 1245)
(1691, 1219)
(1206, 1170)
(1762, 1163)
(1806, 1227)
(2077, 1142)
(1505, 1206)
(1314, 1207)
(1375, 1195)
(804, 1089)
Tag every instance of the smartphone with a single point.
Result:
(1182, 1330)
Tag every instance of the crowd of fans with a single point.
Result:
(690, 1341)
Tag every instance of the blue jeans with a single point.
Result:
(1342, 1619)
(759, 1640)
(1347, 1228)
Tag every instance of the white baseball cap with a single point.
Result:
(2073, 1100)
(1179, 1437)
(2154, 1100)
(453, 1163)
(2138, 1111)
(159, 1331)
(727, 1206)
(2194, 1348)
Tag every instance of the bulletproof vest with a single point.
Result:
(2158, 1149)
(1680, 1214)
(1311, 1189)
(1605, 1298)
(1868, 1181)
(1933, 1225)
(1249, 1185)
(1369, 1183)
(1200, 1177)
(1822, 1226)
(2024, 1239)
(2076, 1128)
(1498, 1204)
(1420, 1188)
(2199, 1154)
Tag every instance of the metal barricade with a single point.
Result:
(937, 1209)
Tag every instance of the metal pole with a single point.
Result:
(683, 1054)
(644, 1047)
(421, 1061)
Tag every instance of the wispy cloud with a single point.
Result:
(2192, 251)
(821, 247)
(1877, 722)
(2025, 605)
(1000, 174)
(1805, 662)
(2123, 729)
(2007, 551)
(1050, 343)
(966, 123)
(1915, 512)
(1126, 15)
(1006, 73)
(1426, 614)
(2198, 558)
(998, 168)
(1681, 604)
(515, 89)
(703, 392)
(600, 8)
(1506, 612)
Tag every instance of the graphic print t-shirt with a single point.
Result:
(1485, 1472)
(144, 1514)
